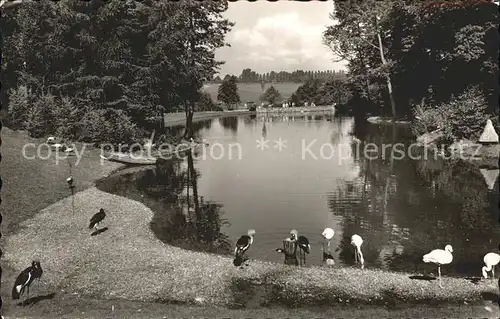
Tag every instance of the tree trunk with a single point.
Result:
(387, 78)
(194, 182)
(190, 105)
(189, 108)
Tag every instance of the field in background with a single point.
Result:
(252, 91)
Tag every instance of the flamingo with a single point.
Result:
(357, 241)
(328, 234)
(490, 260)
(439, 257)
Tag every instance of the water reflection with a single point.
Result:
(229, 123)
(182, 217)
(402, 208)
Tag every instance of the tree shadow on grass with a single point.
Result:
(34, 300)
(427, 278)
(474, 280)
(99, 231)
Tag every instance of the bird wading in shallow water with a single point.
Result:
(439, 257)
(303, 244)
(327, 257)
(490, 260)
(96, 219)
(25, 279)
(243, 243)
(357, 241)
(328, 234)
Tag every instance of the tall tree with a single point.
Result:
(362, 27)
(228, 92)
(271, 95)
(201, 28)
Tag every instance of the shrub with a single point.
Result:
(40, 117)
(66, 117)
(18, 107)
(205, 103)
(107, 126)
(463, 117)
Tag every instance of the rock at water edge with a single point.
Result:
(489, 134)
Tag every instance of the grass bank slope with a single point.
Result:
(128, 262)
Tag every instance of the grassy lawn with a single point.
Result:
(179, 118)
(128, 268)
(252, 91)
(76, 307)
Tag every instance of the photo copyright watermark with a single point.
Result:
(310, 150)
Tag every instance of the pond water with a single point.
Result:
(402, 207)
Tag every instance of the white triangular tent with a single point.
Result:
(490, 177)
(489, 134)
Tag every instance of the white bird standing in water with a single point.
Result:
(439, 257)
(490, 260)
(357, 241)
(328, 234)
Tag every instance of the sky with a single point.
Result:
(277, 36)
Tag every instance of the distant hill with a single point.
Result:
(252, 91)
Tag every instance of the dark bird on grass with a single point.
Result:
(243, 243)
(25, 279)
(96, 219)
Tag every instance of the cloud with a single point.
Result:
(282, 41)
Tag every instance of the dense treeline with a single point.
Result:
(107, 70)
(426, 53)
(298, 76)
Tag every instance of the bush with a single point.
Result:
(18, 107)
(205, 103)
(66, 117)
(108, 126)
(40, 119)
(463, 117)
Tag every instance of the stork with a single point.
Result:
(25, 279)
(490, 260)
(439, 257)
(357, 241)
(96, 219)
(243, 243)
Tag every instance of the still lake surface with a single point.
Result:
(402, 208)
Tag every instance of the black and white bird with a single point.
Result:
(26, 278)
(96, 219)
(243, 243)
(302, 241)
